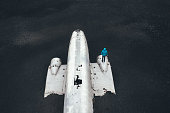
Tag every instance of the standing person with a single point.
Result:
(104, 54)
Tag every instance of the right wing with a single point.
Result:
(101, 76)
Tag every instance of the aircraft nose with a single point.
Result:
(77, 30)
(77, 34)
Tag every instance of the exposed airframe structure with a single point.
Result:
(79, 80)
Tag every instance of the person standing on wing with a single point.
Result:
(104, 54)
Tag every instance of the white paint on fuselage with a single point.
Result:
(78, 100)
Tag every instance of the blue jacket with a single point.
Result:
(104, 52)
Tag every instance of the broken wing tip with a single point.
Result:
(45, 95)
(114, 92)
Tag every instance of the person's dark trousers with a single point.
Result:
(103, 58)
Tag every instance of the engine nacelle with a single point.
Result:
(103, 65)
(55, 64)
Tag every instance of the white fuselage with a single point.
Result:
(78, 96)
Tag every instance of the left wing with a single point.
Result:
(55, 81)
